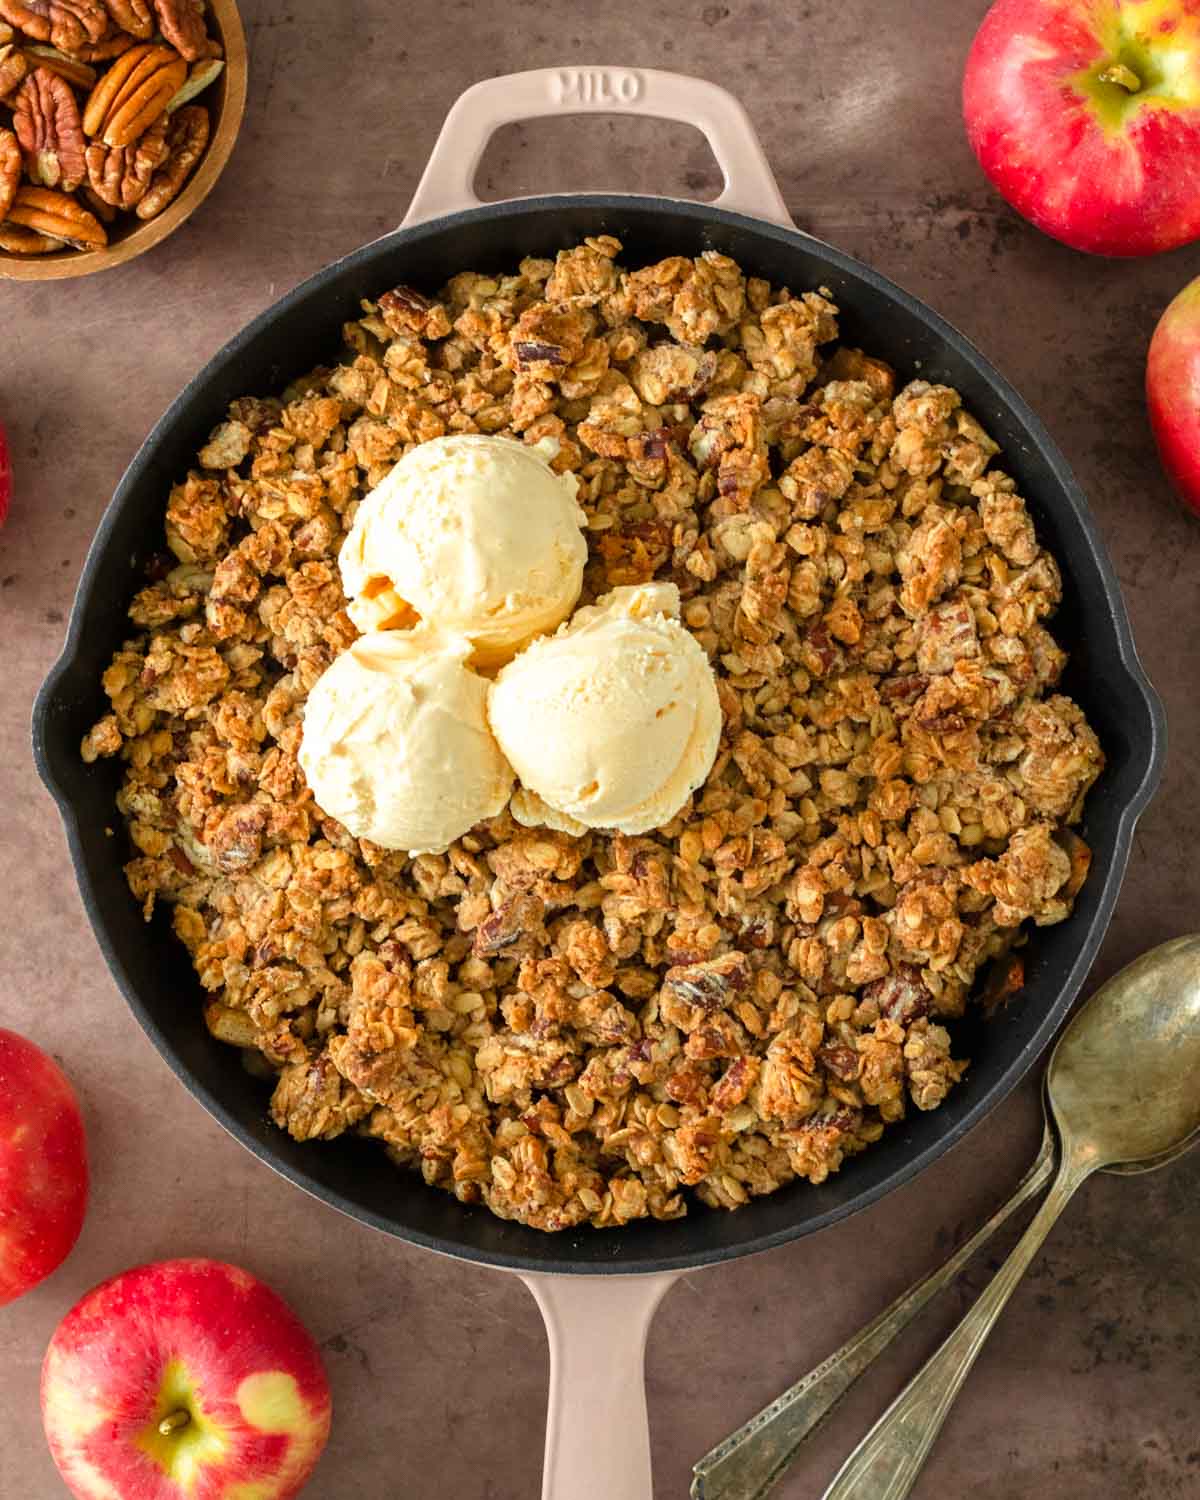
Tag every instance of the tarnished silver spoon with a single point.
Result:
(1124, 1088)
(748, 1463)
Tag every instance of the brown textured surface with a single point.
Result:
(1090, 1384)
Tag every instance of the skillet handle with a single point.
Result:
(448, 182)
(597, 1433)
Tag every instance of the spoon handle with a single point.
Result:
(750, 1461)
(886, 1463)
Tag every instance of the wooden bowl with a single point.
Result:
(129, 236)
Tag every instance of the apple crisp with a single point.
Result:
(580, 1030)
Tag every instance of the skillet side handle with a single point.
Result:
(597, 1433)
(448, 182)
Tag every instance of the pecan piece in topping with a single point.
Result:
(404, 303)
(46, 119)
(904, 690)
(509, 922)
(843, 1062)
(10, 170)
(186, 140)
(634, 554)
(819, 653)
(407, 312)
(946, 634)
(690, 992)
(69, 24)
(234, 838)
(546, 339)
(133, 17)
(902, 996)
(182, 24)
(120, 176)
(529, 352)
(735, 1083)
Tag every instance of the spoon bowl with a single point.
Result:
(1123, 1079)
(1152, 1163)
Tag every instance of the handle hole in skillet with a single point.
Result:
(618, 153)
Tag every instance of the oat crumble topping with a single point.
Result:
(580, 1030)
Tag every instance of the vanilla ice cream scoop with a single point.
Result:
(477, 535)
(396, 744)
(613, 721)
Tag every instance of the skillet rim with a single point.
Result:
(1147, 748)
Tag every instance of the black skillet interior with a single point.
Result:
(304, 330)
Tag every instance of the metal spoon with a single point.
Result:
(1124, 1087)
(749, 1463)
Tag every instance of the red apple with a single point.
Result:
(1173, 392)
(184, 1380)
(43, 1165)
(1085, 114)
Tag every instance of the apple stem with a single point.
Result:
(174, 1422)
(1120, 74)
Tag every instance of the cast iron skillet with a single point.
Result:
(303, 330)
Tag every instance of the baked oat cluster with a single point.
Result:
(578, 1030)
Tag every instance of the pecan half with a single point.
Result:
(68, 24)
(186, 140)
(46, 119)
(133, 93)
(80, 74)
(182, 23)
(20, 241)
(59, 216)
(10, 170)
(120, 175)
(137, 108)
(132, 16)
(14, 67)
(112, 45)
(101, 98)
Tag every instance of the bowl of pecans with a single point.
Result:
(116, 119)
